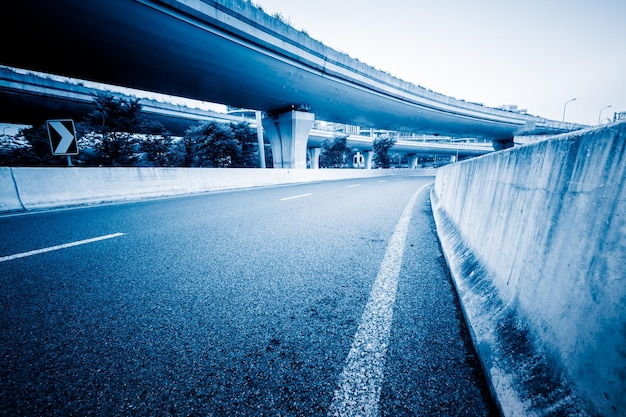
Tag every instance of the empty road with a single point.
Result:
(309, 300)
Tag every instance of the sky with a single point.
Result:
(536, 54)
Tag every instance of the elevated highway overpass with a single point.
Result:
(31, 98)
(230, 52)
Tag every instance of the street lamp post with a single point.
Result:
(565, 105)
(600, 114)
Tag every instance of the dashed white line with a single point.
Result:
(354, 185)
(57, 247)
(295, 196)
(360, 383)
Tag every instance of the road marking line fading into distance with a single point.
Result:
(354, 185)
(295, 196)
(360, 383)
(57, 247)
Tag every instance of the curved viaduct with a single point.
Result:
(230, 52)
(28, 98)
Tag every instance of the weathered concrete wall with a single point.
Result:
(535, 238)
(38, 188)
(9, 199)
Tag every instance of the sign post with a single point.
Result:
(62, 138)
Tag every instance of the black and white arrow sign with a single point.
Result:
(62, 137)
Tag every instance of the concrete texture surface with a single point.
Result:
(534, 237)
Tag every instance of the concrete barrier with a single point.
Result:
(535, 238)
(9, 197)
(42, 188)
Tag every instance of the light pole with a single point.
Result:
(600, 114)
(565, 105)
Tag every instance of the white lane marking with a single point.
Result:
(360, 383)
(57, 247)
(354, 185)
(295, 196)
(381, 180)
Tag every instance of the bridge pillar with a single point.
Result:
(369, 158)
(413, 158)
(358, 160)
(314, 157)
(289, 133)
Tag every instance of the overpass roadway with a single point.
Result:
(30, 98)
(230, 52)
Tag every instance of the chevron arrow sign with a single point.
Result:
(62, 137)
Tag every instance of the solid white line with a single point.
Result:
(57, 247)
(360, 383)
(354, 185)
(381, 180)
(295, 196)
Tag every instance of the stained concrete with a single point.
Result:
(534, 237)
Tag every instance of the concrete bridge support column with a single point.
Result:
(369, 158)
(259, 136)
(288, 133)
(314, 157)
(413, 160)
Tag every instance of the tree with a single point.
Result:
(214, 145)
(38, 152)
(113, 113)
(249, 145)
(381, 151)
(114, 120)
(157, 143)
(335, 153)
(15, 150)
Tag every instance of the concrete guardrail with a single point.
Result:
(535, 238)
(43, 188)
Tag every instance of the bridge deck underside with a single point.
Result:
(127, 43)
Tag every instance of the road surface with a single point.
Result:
(308, 300)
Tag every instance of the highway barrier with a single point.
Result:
(9, 197)
(44, 188)
(535, 239)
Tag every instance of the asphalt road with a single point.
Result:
(243, 303)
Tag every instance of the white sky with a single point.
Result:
(536, 54)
